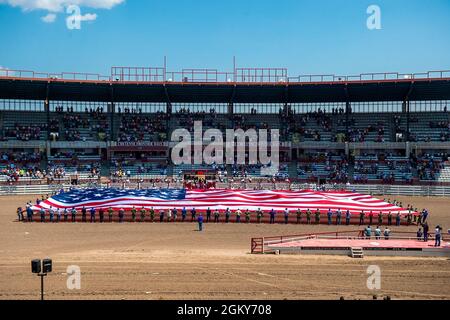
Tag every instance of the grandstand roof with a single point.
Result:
(290, 90)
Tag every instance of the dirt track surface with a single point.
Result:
(174, 261)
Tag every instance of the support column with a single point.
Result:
(347, 117)
(230, 108)
(47, 112)
(112, 111)
(405, 107)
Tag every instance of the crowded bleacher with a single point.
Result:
(85, 140)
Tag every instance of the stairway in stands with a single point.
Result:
(105, 169)
(292, 170)
(444, 175)
(1, 124)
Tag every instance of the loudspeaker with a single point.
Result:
(47, 265)
(36, 266)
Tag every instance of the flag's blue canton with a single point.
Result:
(94, 194)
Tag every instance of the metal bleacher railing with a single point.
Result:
(238, 75)
(377, 190)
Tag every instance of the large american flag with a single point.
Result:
(220, 199)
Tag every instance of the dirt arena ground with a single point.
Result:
(173, 261)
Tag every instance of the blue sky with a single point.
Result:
(307, 37)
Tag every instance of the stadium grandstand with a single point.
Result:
(380, 128)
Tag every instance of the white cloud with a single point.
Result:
(87, 17)
(49, 18)
(59, 5)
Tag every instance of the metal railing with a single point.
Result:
(239, 75)
(261, 244)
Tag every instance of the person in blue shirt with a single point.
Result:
(329, 215)
(272, 216)
(29, 214)
(368, 232)
(425, 215)
(347, 217)
(200, 222)
(92, 214)
(183, 214)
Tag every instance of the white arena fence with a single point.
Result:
(38, 189)
(376, 190)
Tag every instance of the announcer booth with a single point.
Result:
(197, 175)
(195, 179)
